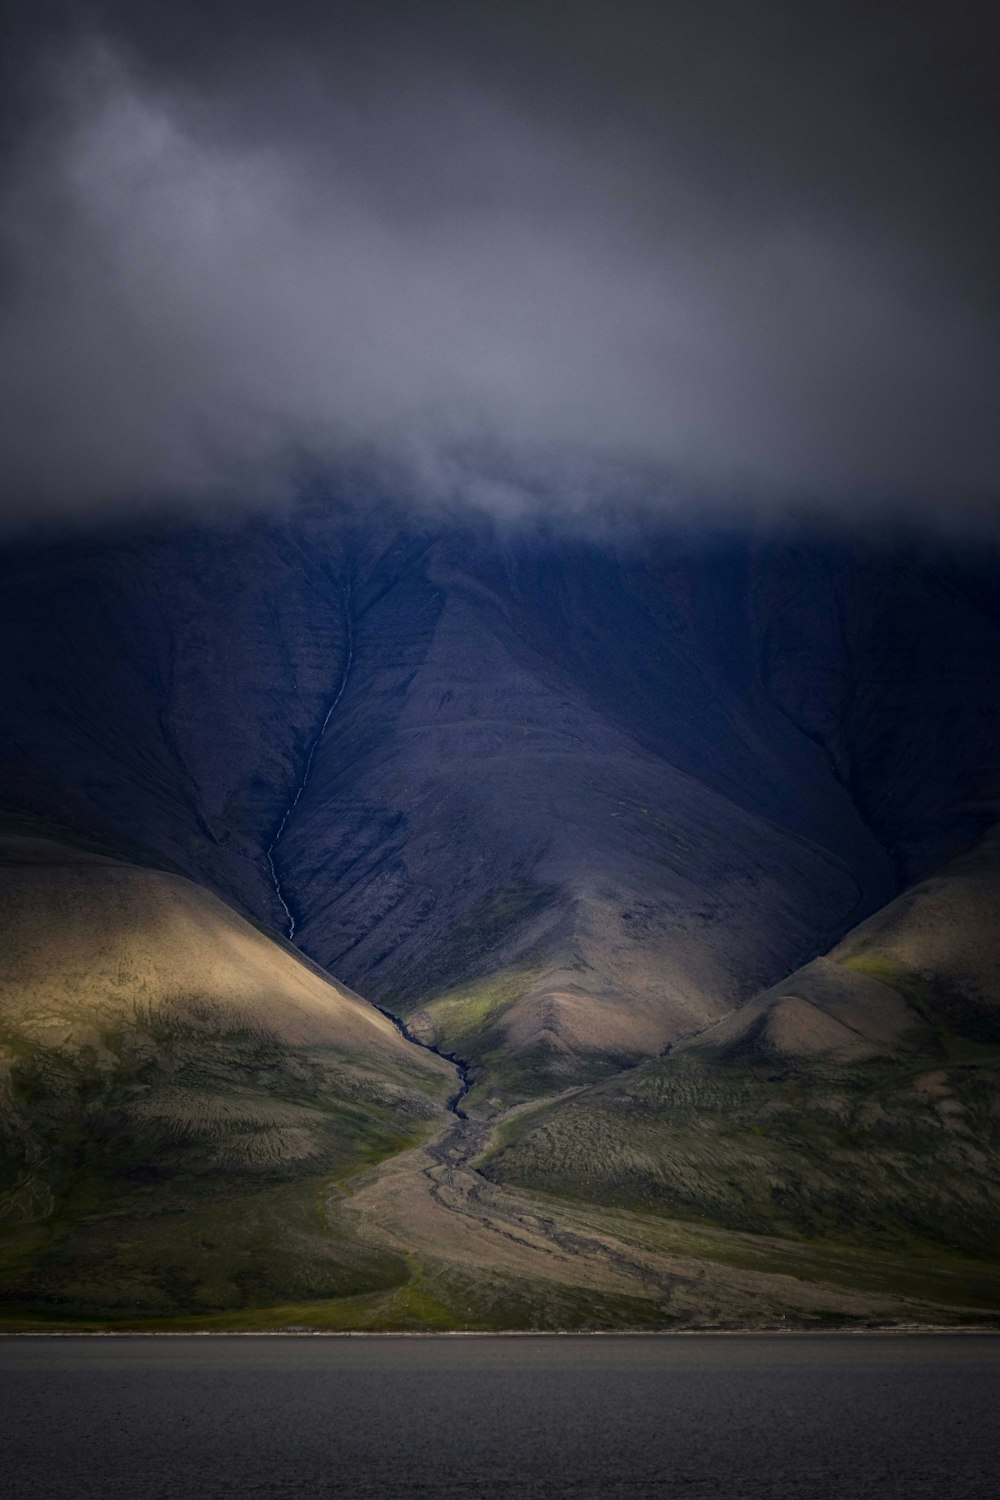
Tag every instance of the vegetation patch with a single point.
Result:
(182, 1164)
(472, 947)
(460, 1017)
(959, 1026)
(873, 1156)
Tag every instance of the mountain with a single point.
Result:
(572, 807)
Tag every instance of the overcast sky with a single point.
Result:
(709, 254)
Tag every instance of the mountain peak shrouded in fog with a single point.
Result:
(713, 256)
(499, 667)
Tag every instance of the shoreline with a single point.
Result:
(906, 1330)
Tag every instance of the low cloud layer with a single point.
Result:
(722, 262)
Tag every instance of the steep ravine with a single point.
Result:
(460, 1064)
(270, 852)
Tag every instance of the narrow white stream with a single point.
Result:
(271, 849)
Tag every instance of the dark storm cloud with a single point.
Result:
(704, 254)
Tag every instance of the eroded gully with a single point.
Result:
(454, 1104)
(270, 853)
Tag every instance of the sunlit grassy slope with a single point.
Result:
(179, 1095)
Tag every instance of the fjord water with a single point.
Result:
(789, 1417)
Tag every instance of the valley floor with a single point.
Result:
(510, 1258)
(485, 1257)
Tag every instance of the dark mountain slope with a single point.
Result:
(527, 874)
(162, 691)
(889, 660)
(561, 801)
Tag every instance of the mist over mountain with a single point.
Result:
(724, 258)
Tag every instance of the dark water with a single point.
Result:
(792, 1417)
